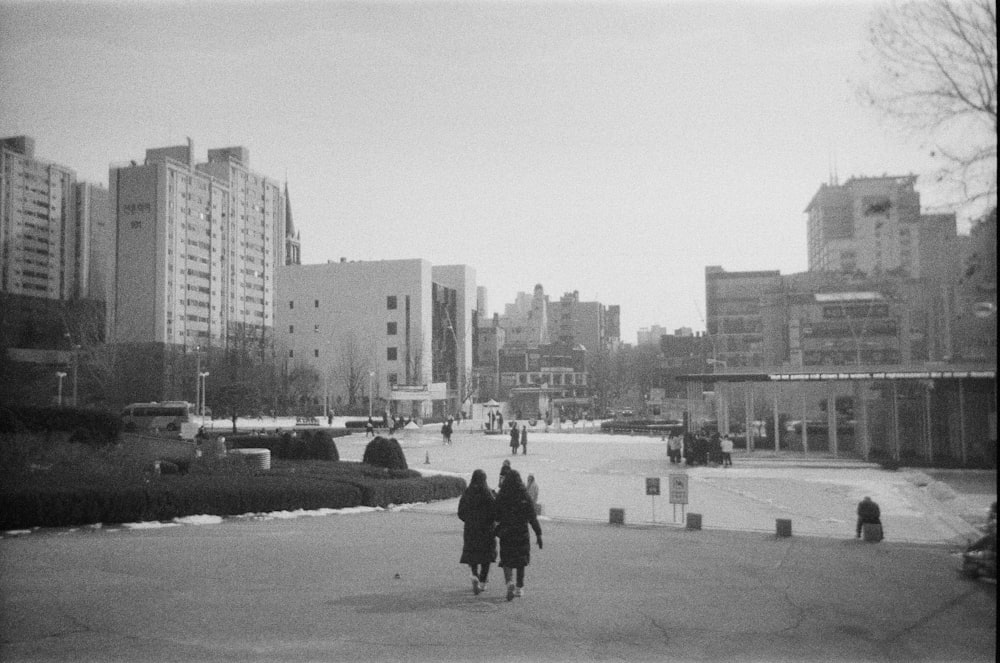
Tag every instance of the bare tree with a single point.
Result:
(353, 364)
(936, 74)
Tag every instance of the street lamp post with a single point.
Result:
(201, 391)
(371, 376)
(76, 368)
(60, 375)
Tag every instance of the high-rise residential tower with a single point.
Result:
(197, 248)
(39, 230)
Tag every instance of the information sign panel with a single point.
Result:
(652, 485)
(678, 488)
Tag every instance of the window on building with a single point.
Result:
(291, 353)
(291, 304)
(391, 353)
(316, 329)
(390, 329)
(393, 378)
(315, 353)
(291, 329)
(390, 302)
(315, 303)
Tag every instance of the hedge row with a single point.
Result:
(286, 487)
(310, 445)
(89, 426)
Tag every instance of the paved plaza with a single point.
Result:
(387, 586)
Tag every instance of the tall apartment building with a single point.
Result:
(650, 335)
(526, 321)
(579, 323)
(96, 239)
(40, 233)
(197, 247)
(874, 225)
(405, 322)
(293, 243)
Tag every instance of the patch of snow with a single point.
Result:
(203, 519)
(152, 524)
(17, 532)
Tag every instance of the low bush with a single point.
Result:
(94, 427)
(385, 452)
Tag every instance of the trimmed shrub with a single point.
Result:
(385, 452)
(322, 447)
(311, 445)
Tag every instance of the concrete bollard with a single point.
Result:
(616, 517)
(783, 527)
(694, 521)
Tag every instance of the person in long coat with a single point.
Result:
(515, 438)
(524, 439)
(515, 512)
(477, 509)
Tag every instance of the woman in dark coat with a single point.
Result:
(477, 509)
(515, 511)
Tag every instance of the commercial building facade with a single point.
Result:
(374, 330)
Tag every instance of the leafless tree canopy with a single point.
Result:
(935, 72)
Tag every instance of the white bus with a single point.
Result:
(168, 415)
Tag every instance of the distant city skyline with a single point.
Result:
(615, 149)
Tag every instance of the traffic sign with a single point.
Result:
(678, 488)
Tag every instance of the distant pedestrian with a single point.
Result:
(674, 448)
(369, 428)
(493, 419)
(868, 514)
(727, 451)
(504, 469)
(515, 512)
(499, 422)
(446, 432)
(515, 438)
(477, 509)
(524, 439)
(532, 488)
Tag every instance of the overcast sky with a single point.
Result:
(613, 148)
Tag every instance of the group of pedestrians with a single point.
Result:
(505, 515)
(701, 449)
(518, 438)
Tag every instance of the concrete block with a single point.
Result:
(871, 532)
(783, 527)
(616, 516)
(694, 521)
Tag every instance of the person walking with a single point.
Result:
(532, 489)
(524, 439)
(727, 451)
(515, 512)
(515, 438)
(868, 514)
(477, 509)
(674, 448)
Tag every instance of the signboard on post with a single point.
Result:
(678, 488)
(652, 485)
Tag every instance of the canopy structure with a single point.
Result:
(436, 391)
(925, 412)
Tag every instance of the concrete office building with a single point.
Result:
(375, 331)
(874, 225)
